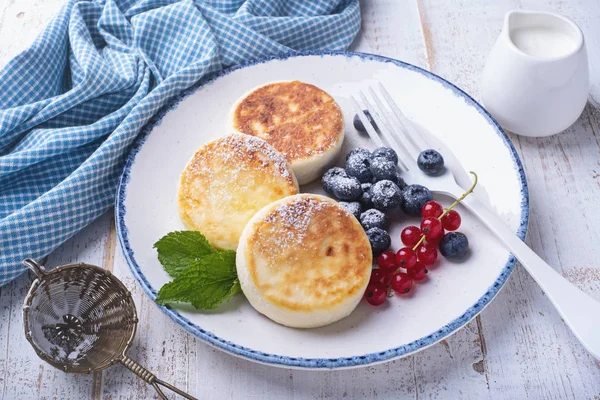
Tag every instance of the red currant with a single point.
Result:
(376, 294)
(387, 261)
(427, 254)
(401, 283)
(406, 258)
(380, 276)
(432, 228)
(418, 273)
(451, 221)
(410, 235)
(434, 241)
(431, 209)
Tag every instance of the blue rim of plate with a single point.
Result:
(316, 363)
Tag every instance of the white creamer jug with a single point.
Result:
(536, 79)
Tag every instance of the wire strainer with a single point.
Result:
(80, 318)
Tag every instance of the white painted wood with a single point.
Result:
(391, 28)
(530, 353)
(20, 23)
(22, 374)
(518, 348)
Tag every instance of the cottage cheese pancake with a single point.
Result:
(304, 261)
(227, 181)
(298, 119)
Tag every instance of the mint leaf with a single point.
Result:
(206, 283)
(235, 289)
(177, 250)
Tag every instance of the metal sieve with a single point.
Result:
(80, 318)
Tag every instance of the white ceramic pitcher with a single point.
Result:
(536, 79)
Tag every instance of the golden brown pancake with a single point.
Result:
(298, 119)
(227, 181)
(304, 261)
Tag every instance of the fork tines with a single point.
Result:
(392, 128)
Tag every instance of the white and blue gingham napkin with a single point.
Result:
(72, 104)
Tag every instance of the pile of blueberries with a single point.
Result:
(370, 186)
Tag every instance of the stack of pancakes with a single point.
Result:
(302, 260)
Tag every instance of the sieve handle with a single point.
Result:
(150, 378)
(37, 269)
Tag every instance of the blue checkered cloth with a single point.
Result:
(72, 104)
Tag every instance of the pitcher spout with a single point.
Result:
(509, 21)
(542, 35)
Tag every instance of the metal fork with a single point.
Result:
(580, 312)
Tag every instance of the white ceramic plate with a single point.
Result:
(454, 293)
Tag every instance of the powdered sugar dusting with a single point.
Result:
(224, 161)
(242, 146)
(293, 220)
(290, 231)
(227, 182)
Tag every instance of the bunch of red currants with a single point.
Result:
(398, 271)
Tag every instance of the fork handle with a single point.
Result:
(580, 312)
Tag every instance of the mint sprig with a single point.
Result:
(204, 276)
(178, 250)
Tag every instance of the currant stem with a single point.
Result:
(446, 210)
(461, 198)
(389, 291)
(419, 243)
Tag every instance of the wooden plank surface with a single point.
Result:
(530, 352)
(517, 348)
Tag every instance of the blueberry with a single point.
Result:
(346, 188)
(379, 239)
(386, 195)
(331, 175)
(358, 125)
(373, 219)
(413, 199)
(431, 162)
(358, 166)
(359, 151)
(454, 245)
(387, 153)
(366, 199)
(353, 208)
(382, 168)
(397, 179)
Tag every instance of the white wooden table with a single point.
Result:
(518, 348)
